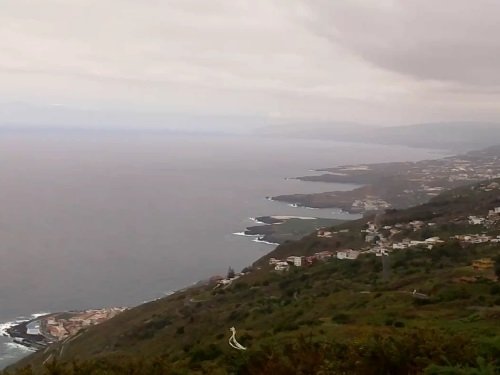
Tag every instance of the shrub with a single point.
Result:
(342, 318)
(240, 285)
(208, 353)
(495, 289)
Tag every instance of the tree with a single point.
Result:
(230, 273)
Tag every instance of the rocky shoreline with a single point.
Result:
(279, 229)
(19, 334)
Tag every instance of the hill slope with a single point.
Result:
(418, 310)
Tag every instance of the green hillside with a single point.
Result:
(419, 310)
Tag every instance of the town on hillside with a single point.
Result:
(477, 224)
(55, 327)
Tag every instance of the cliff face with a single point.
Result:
(419, 308)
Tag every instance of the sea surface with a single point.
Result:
(114, 220)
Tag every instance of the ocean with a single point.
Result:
(94, 220)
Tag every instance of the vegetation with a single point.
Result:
(334, 317)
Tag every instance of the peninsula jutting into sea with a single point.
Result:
(400, 184)
(384, 186)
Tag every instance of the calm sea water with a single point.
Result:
(116, 220)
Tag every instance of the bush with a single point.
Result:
(495, 289)
(400, 352)
(240, 285)
(286, 326)
(208, 353)
(452, 294)
(342, 318)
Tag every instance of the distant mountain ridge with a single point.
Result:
(456, 136)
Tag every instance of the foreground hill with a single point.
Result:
(424, 308)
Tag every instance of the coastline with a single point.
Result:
(19, 334)
(44, 329)
(255, 239)
(395, 185)
(276, 230)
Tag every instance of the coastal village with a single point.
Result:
(63, 325)
(382, 246)
(382, 239)
(55, 327)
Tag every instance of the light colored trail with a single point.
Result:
(232, 340)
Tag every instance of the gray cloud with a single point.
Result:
(450, 40)
(366, 61)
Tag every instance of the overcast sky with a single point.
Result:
(381, 62)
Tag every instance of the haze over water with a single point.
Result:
(115, 220)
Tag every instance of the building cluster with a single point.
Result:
(415, 182)
(432, 177)
(428, 243)
(225, 281)
(370, 203)
(476, 238)
(61, 326)
(321, 256)
(322, 233)
(489, 220)
(381, 241)
(455, 169)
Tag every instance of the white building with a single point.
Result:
(417, 243)
(295, 260)
(475, 220)
(399, 245)
(282, 266)
(433, 240)
(347, 254)
(33, 328)
(273, 261)
(324, 234)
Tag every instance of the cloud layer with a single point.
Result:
(382, 61)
